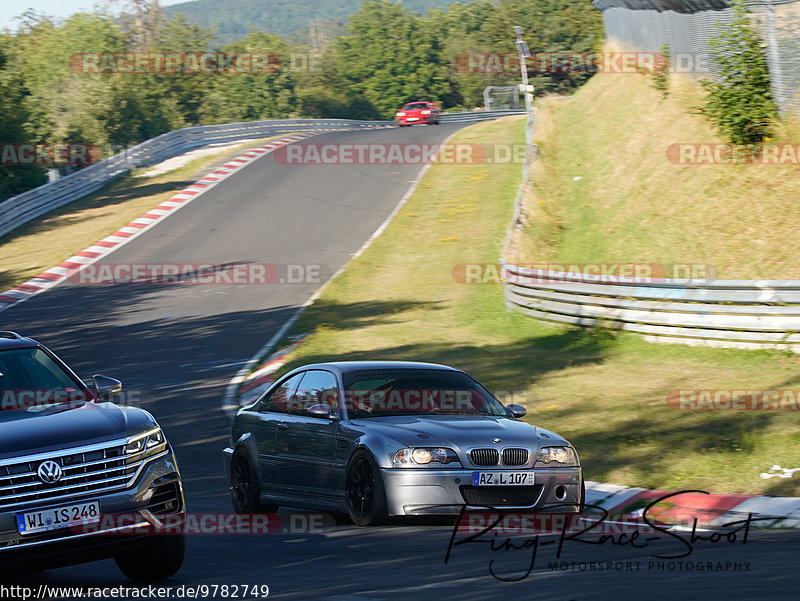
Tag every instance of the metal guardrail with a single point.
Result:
(21, 208)
(478, 115)
(725, 313)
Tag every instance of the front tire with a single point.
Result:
(159, 560)
(245, 486)
(365, 494)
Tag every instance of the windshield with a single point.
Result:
(415, 106)
(378, 393)
(30, 380)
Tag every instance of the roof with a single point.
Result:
(347, 366)
(10, 339)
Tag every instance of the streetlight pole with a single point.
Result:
(527, 89)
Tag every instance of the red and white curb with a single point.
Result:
(55, 275)
(259, 380)
(708, 509)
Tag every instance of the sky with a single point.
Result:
(55, 8)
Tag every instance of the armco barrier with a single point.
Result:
(724, 313)
(20, 209)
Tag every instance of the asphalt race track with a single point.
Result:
(176, 347)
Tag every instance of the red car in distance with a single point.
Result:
(420, 111)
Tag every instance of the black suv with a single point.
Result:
(81, 478)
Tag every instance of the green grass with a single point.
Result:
(605, 392)
(632, 204)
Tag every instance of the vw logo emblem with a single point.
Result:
(496, 440)
(49, 472)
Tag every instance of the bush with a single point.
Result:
(660, 75)
(740, 101)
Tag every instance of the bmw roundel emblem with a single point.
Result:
(49, 472)
(496, 440)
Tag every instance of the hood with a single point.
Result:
(549, 438)
(458, 431)
(29, 432)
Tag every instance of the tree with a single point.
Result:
(389, 58)
(13, 117)
(740, 102)
(248, 96)
(322, 92)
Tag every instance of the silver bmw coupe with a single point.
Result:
(379, 439)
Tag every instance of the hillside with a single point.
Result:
(234, 18)
(614, 191)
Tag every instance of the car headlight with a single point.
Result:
(149, 443)
(426, 112)
(401, 114)
(559, 455)
(423, 456)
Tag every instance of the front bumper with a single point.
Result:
(427, 119)
(447, 491)
(153, 499)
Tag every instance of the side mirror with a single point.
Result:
(322, 410)
(106, 387)
(517, 411)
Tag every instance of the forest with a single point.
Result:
(387, 55)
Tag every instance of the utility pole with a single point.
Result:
(527, 89)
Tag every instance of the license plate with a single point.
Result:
(413, 119)
(60, 517)
(502, 478)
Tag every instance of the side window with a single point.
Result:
(317, 387)
(278, 400)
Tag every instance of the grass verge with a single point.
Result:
(606, 393)
(51, 238)
(606, 190)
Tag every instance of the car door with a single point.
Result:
(272, 410)
(305, 444)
